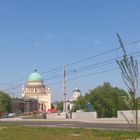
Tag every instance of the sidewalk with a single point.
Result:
(99, 120)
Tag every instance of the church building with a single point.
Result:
(76, 94)
(35, 89)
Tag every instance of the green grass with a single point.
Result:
(21, 132)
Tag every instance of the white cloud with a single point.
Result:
(97, 42)
(49, 36)
(42, 42)
(39, 44)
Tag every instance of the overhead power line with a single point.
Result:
(79, 77)
(103, 63)
(102, 53)
(59, 69)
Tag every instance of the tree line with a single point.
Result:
(106, 100)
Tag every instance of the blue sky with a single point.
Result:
(51, 33)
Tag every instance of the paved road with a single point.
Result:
(71, 124)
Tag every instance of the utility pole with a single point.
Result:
(65, 90)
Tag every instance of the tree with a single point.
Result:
(129, 71)
(60, 106)
(80, 104)
(105, 100)
(5, 103)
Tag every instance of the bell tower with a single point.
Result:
(23, 91)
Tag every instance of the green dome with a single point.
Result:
(77, 90)
(35, 76)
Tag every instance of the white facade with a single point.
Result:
(37, 90)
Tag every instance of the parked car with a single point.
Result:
(11, 114)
